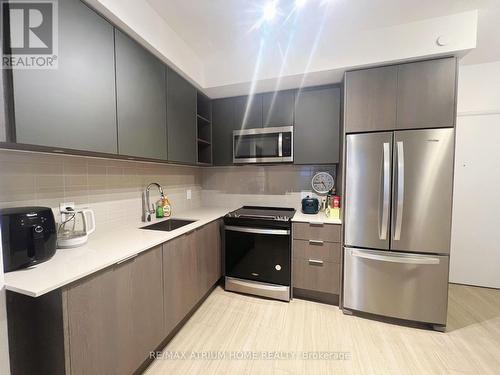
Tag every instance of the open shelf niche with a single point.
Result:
(204, 129)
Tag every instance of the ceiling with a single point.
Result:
(224, 32)
(218, 26)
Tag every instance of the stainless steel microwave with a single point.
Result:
(263, 145)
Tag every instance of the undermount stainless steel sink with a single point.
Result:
(169, 225)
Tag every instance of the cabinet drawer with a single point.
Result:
(322, 232)
(314, 274)
(315, 249)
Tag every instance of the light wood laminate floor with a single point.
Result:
(228, 324)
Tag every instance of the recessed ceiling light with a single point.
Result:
(270, 10)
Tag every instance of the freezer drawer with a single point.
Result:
(400, 285)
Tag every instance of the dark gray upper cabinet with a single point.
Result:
(278, 108)
(248, 111)
(426, 94)
(223, 125)
(181, 119)
(73, 106)
(141, 97)
(317, 126)
(370, 99)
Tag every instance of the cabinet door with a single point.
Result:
(180, 279)
(181, 119)
(209, 256)
(115, 317)
(140, 94)
(74, 105)
(426, 94)
(317, 126)
(248, 112)
(278, 108)
(223, 125)
(370, 99)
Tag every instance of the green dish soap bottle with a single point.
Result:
(159, 210)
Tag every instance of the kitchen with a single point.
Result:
(189, 198)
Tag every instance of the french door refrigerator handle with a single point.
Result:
(386, 191)
(400, 190)
(406, 259)
(280, 144)
(282, 232)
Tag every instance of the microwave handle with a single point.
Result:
(280, 145)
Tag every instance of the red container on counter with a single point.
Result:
(336, 201)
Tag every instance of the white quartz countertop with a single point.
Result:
(320, 217)
(111, 244)
(106, 246)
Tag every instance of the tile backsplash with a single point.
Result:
(112, 188)
(278, 185)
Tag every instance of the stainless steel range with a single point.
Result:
(258, 251)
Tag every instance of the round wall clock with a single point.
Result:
(322, 182)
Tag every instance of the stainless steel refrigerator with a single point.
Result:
(398, 202)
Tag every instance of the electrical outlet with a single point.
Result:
(188, 194)
(63, 207)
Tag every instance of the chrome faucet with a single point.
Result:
(149, 208)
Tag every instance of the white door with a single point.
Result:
(475, 246)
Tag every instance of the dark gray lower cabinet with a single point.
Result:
(181, 119)
(192, 265)
(72, 106)
(317, 126)
(141, 97)
(316, 261)
(223, 125)
(115, 318)
(109, 322)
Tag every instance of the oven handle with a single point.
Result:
(279, 232)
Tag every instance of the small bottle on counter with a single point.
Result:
(159, 210)
(167, 207)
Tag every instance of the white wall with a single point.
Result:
(326, 58)
(475, 254)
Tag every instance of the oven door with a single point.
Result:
(269, 145)
(258, 254)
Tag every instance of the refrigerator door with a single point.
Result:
(368, 190)
(422, 191)
(405, 286)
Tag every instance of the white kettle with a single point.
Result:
(69, 235)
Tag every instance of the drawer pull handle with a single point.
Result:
(318, 224)
(315, 262)
(127, 259)
(316, 242)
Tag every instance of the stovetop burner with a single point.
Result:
(263, 213)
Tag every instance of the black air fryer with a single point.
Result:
(28, 236)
